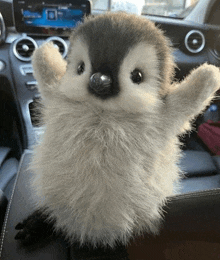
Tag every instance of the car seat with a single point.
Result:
(8, 170)
(189, 215)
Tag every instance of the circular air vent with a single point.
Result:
(195, 41)
(59, 43)
(24, 47)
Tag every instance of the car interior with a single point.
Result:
(191, 226)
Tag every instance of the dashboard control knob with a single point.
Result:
(31, 85)
(195, 41)
(25, 47)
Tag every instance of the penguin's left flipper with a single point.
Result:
(34, 228)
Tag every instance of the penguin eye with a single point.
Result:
(136, 76)
(81, 68)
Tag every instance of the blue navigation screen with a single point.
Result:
(53, 17)
(50, 16)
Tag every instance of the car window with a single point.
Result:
(171, 8)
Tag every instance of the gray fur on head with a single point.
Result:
(110, 37)
(105, 168)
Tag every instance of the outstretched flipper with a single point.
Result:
(49, 67)
(34, 228)
(191, 96)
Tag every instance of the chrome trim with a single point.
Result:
(12, 35)
(30, 83)
(26, 69)
(3, 30)
(17, 55)
(2, 65)
(186, 41)
(55, 38)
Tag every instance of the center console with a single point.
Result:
(37, 22)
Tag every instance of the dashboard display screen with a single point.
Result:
(51, 17)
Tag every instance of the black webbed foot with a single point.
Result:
(34, 228)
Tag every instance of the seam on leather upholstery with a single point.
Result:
(9, 206)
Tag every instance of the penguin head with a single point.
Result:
(118, 61)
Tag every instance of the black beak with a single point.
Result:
(100, 85)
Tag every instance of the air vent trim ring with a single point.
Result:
(17, 55)
(55, 38)
(187, 45)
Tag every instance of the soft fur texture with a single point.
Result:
(105, 168)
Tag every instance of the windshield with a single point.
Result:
(171, 8)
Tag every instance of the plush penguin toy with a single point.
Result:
(108, 159)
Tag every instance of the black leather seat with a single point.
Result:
(191, 230)
(192, 215)
(20, 206)
(8, 170)
(201, 171)
(197, 164)
(3, 206)
(216, 160)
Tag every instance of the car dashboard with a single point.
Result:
(192, 45)
(34, 24)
